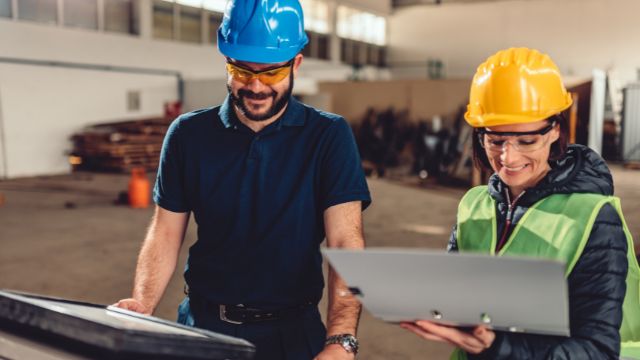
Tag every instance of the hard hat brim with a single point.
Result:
(257, 54)
(488, 120)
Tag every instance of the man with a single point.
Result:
(267, 178)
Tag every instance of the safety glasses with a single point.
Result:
(526, 141)
(267, 77)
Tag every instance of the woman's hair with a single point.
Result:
(558, 148)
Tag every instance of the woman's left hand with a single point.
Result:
(473, 342)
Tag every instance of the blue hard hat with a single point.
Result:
(262, 31)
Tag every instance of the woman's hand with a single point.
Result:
(473, 342)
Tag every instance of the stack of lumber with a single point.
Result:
(119, 146)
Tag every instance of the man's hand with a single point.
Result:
(133, 305)
(157, 260)
(474, 342)
(335, 352)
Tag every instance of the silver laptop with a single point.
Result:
(504, 293)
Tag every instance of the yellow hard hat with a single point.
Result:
(516, 86)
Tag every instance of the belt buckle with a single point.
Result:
(223, 316)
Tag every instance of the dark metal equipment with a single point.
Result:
(37, 328)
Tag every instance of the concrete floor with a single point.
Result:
(63, 236)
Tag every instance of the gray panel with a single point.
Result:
(118, 16)
(45, 11)
(5, 8)
(81, 13)
(631, 124)
(506, 293)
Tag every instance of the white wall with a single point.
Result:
(579, 35)
(43, 106)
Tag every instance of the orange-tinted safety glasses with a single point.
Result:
(267, 77)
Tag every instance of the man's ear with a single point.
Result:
(297, 61)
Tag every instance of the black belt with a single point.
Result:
(240, 314)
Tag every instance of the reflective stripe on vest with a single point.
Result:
(556, 227)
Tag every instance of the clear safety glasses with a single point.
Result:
(527, 141)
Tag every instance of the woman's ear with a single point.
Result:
(555, 133)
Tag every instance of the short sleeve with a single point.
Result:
(169, 190)
(341, 176)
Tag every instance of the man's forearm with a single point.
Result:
(344, 309)
(343, 224)
(156, 263)
(153, 272)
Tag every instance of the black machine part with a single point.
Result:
(106, 332)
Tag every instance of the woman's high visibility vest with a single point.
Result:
(556, 227)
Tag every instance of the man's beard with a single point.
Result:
(277, 103)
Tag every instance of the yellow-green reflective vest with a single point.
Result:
(556, 227)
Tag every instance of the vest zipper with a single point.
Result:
(507, 223)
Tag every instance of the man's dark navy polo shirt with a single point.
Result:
(258, 200)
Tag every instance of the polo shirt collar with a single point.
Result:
(293, 116)
(225, 113)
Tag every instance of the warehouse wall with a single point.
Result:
(579, 34)
(42, 106)
(423, 99)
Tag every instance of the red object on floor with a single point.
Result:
(139, 189)
(172, 109)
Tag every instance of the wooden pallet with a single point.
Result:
(633, 165)
(120, 146)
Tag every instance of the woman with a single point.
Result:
(545, 199)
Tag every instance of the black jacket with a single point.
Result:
(597, 282)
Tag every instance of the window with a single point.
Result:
(5, 8)
(376, 55)
(215, 5)
(316, 16)
(306, 50)
(102, 15)
(190, 24)
(363, 37)
(379, 35)
(212, 5)
(360, 25)
(44, 11)
(360, 53)
(318, 46)
(192, 3)
(323, 51)
(346, 51)
(81, 13)
(117, 16)
(316, 23)
(162, 19)
(215, 19)
(192, 18)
